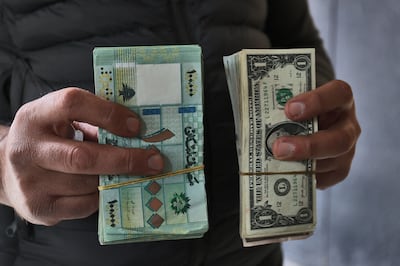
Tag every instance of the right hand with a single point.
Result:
(47, 176)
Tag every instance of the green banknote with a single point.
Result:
(277, 198)
(163, 85)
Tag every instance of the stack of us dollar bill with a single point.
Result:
(277, 198)
(163, 85)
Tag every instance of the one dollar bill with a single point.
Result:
(163, 85)
(277, 198)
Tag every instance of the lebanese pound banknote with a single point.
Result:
(163, 85)
(277, 198)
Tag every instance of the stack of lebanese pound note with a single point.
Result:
(277, 197)
(163, 85)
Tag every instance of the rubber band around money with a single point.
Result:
(150, 178)
(279, 173)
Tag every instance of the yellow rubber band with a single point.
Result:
(154, 177)
(279, 173)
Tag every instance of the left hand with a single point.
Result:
(333, 146)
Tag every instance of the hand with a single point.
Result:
(47, 176)
(334, 144)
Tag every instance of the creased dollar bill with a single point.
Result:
(163, 85)
(277, 197)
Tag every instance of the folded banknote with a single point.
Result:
(163, 85)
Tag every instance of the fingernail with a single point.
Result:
(284, 150)
(296, 109)
(156, 162)
(132, 124)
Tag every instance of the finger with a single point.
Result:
(320, 145)
(328, 179)
(77, 207)
(74, 104)
(60, 184)
(335, 164)
(90, 158)
(67, 208)
(327, 98)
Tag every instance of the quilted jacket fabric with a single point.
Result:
(46, 45)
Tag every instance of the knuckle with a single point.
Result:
(24, 119)
(339, 175)
(346, 91)
(70, 98)
(343, 173)
(348, 139)
(49, 216)
(350, 155)
(19, 154)
(357, 129)
(80, 159)
(46, 217)
(15, 152)
(40, 210)
(24, 112)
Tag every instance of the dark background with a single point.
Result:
(359, 219)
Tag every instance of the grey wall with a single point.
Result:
(359, 219)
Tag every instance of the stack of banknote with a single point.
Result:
(277, 198)
(163, 85)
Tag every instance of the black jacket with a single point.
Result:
(46, 45)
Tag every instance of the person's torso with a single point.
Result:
(54, 39)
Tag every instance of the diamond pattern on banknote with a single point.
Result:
(154, 204)
(155, 221)
(153, 187)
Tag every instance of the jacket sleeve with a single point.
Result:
(289, 25)
(7, 58)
